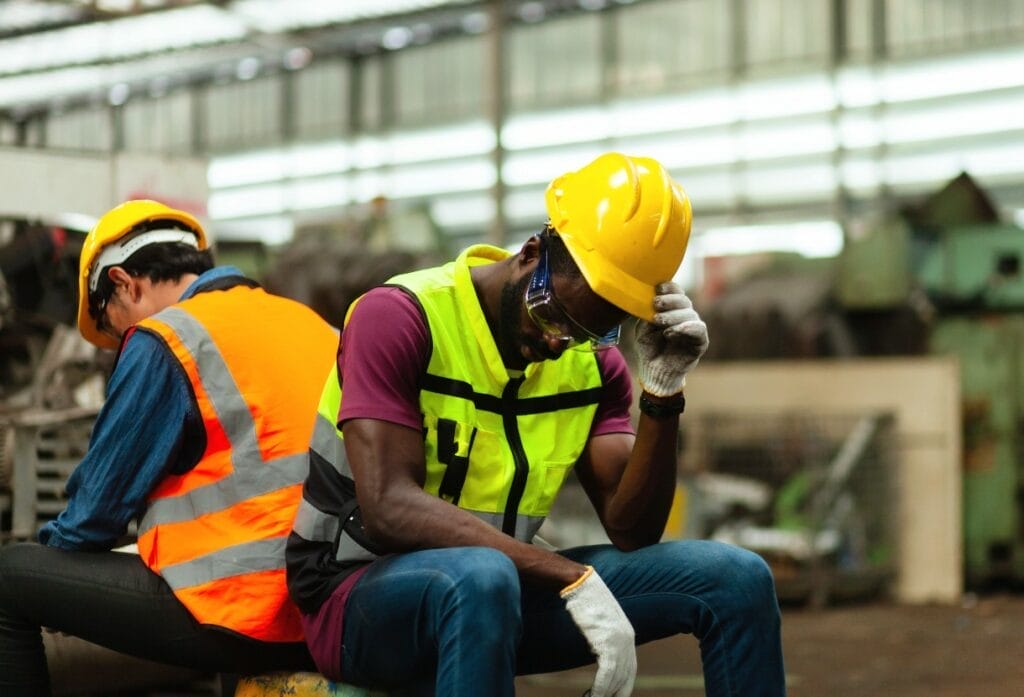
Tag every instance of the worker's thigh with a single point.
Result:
(448, 613)
(682, 587)
(112, 599)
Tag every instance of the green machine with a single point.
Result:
(960, 269)
(974, 277)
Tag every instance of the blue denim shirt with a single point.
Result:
(148, 427)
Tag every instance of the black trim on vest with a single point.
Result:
(521, 407)
(457, 465)
(515, 444)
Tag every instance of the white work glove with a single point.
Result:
(608, 632)
(670, 346)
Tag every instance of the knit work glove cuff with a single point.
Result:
(608, 632)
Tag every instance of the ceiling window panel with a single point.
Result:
(321, 99)
(667, 44)
(787, 32)
(555, 63)
(82, 129)
(439, 82)
(159, 125)
(241, 114)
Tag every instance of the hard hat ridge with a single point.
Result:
(626, 224)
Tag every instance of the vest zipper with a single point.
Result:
(509, 398)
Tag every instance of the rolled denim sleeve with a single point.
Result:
(135, 442)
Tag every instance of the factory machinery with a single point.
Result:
(940, 277)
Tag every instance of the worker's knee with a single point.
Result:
(483, 572)
(739, 578)
(746, 578)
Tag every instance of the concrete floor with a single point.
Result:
(975, 649)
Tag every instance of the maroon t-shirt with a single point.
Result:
(382, 354)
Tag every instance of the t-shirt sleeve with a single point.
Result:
(617, 397)
(382, 354)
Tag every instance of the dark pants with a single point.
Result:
(111, 599)
(458, 623)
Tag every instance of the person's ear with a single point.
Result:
(530, 251)
(120, 277)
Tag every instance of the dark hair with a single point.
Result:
(161, 261)
(559, 260)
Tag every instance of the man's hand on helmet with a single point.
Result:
(671, 345)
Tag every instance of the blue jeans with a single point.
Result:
(459, 620)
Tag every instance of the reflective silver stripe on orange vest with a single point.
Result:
(246, 481)
(261, 555)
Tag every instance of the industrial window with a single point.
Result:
(439, 82)
(917, 27)
(241, 114)
(662, 45)
(783, 33)
(555, 63)
(82, 129)
(371, 108)
(321, 99)
(159, 125)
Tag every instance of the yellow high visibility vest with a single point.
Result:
(497, 446)
(217, 533)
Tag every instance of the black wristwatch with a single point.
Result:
(662, 410)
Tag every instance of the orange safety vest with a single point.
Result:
(217, 533)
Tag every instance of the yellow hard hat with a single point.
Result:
(111, 241)
(626, 224)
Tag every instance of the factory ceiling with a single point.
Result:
(54, 54)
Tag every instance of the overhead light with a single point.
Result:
(118, 94)
(565, 126)
(396, 38)
(247, 68)
(475, 22)
(297, 58)
(813, 239)
(121, 39)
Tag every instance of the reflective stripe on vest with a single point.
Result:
(497, 447)
(217, 533)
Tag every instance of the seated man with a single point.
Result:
(204, 435)
(464, 395)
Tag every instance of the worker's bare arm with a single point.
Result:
(388, 463)
(631, 481)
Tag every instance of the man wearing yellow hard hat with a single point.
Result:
(463, 396)
(202, 439)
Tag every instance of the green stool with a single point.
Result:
(298, 685)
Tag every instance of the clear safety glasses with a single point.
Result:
(552, 319)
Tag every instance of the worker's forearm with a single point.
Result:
(639, 508)
(418, 520)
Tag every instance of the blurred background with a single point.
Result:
(856, 169)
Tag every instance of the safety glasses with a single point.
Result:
(98, 312)
(552, 319)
